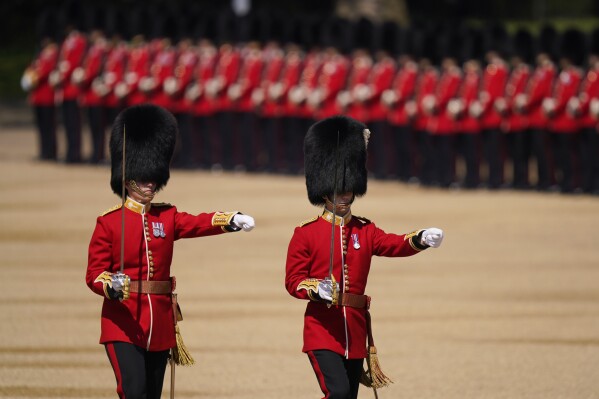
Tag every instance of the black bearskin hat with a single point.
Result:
(151, 133)
(320, 155)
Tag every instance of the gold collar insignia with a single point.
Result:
(328, 216)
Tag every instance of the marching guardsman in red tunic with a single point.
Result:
(267, 101)
(394, 100)
(563, 125)
(350, 101)
(530, 104)
(162, 68)
(441, 125)
(337, 328)
(467, 126)
(138, 67)
(35, 80)
(580, 106)
(113, 73)
(240, 93)
(201, 104)
(514, 124)
(493, 88)
(331, 80)
(217, 89)
(175, 87)
(84, 76)
(71, 56)
(133, 275)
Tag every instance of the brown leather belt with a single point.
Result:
(151, 287)
(354, 301)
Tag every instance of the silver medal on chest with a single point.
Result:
(158, 229)
(356, 241)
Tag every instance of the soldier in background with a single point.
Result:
(580, 107)
(563, 125)
(395, 99)
(468, 125)
(492, 90)
(529, 104)
(267, 103)
(71, 56)
(203, 123)
(441, 125)
(35, 81)
(92, 99)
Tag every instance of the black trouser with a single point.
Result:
(247, 148)
(45, 119)
(184, 157)
(203, 132)
(71, 117)
(589, 159)
(427, 164)
(466, 147)
(539, 150)
(379, 144)
(338, 377)
(443, 159)
(226, 139)
(97, 126)
(492, 153)
(139, 373)
(563, 150)
(268, 159)
(522, 149)
(294, 133)
(402, 135)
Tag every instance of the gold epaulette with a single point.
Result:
(362, 219)
(114, 208)
(161, 204)
(305, 222)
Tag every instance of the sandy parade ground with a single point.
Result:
(508, 307)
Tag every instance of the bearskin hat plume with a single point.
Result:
(151, 133)
(321, 154)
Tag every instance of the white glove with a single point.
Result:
(119, 281)
(325, 289)
(433, 237)
(244, 222)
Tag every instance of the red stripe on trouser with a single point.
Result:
(117, 370)
(319, 375)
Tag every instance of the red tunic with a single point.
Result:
(493, 87)
(227, 70)
(514, 121)
(539, 87)
(358, 78)
(379, 80)
(92, 68)
(290, 77)
(331, 80)
(339, 329)
(183, 75)
(566, 87)
(202, 104)
(447, 88)
(271, 88)
(466, 123)
(249, 79)
(404, 87)
(71, 56)
(114, 72)
(163, 67)
(424, 87)
(589, 90)
(42, 93)
(138, 67)
(145, 320)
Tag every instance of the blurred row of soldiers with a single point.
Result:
(433, 97)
